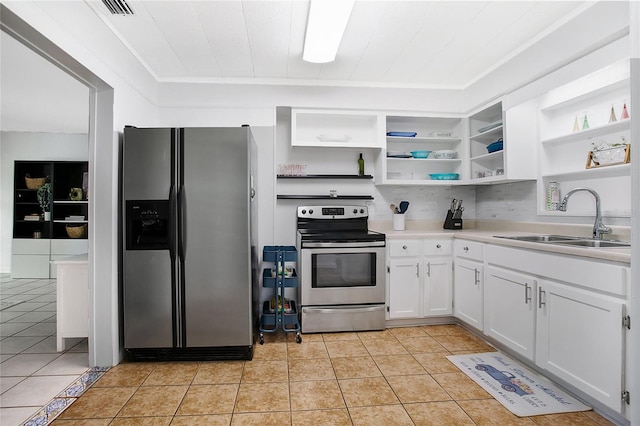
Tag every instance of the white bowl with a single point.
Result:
(444, 154)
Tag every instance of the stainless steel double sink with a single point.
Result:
(569, 241)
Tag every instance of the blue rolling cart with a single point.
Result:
(279, 312)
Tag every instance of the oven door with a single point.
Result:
(340, 275)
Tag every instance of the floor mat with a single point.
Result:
(520, 390)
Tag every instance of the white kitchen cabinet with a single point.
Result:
(420, 282)
(468, 282)
(564, 312)
(468, 285)
(72, 299)
(509, 309)
(30, 258)
(565, 141)
(437, 287)
(581, 340)
(404, 288)
(336, 128)
(516, 128)
(396, 166)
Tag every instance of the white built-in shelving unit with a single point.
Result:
(565, 142)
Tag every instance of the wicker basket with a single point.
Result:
(75, 231)
(35, 183)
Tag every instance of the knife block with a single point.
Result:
(451, 223)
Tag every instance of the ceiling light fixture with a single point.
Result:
(325, 27)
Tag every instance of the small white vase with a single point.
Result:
(47, 216)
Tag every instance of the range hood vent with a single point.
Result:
(118, 7)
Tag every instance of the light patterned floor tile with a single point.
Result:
(321, 417)
(316, 395)
(303, 370)
(490, 412)
(367, 392)
(381, 415)
(418, 388)
(438, 413)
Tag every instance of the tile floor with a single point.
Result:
(395, 377)
(32, 372)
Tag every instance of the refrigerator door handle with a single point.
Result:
(172, 221)
(182, 223)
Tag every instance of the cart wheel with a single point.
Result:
(261, 339)
(298, 338)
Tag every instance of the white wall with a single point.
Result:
(30, 146)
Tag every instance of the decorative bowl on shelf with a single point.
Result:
(495, 146)
(76, 231)
(35, 183)
(445, 154)
(444, 176)
(420, 154)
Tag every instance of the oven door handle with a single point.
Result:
(344, 245)
(351, 309)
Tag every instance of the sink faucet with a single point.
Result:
(599, 228)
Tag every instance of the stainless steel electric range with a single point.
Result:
(341, 270)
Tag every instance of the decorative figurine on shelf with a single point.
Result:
(45, 195)
(576, 126)
(612, 116)
(585, 123)
(75, 194)
(625, 113)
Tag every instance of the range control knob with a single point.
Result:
(310, 211)
(304, 211)
(355, 211)
(361, 211)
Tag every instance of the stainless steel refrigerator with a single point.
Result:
(189, 273)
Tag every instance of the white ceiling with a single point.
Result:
(387, 43)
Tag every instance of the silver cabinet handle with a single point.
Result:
(527, 293)
(438, 246)
(476, 276)
(428, 269)
(540, 293)
(417, 270)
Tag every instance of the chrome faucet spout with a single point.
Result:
(599, 228)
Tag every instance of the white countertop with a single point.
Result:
(486, 232)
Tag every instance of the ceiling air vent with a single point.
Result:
(118, 7)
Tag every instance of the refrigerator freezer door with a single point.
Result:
(149, 275)
(217, 259)
(147, 168)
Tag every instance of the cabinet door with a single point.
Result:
(438, 287)
(581, 340)
(509, 314)
(404, 288)
(468, 288)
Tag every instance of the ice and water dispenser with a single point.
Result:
(147, 224)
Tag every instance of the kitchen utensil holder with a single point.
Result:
(398, 222)
(451, 223)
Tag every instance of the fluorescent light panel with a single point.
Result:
(325, 28)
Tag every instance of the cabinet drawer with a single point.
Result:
(69, 247)
(437, 247)
(404, 248)
(469, 249)
(30, 246)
